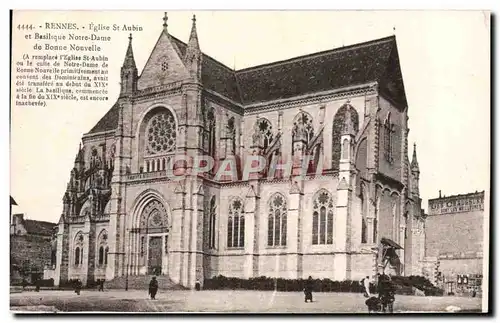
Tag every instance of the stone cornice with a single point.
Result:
(317, 97)
(99, 135)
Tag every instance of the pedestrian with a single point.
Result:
(101, 285)
(308, 289)
(153, 287)
(386, 293)
(365, 282)
(37, 285)
(78, 286)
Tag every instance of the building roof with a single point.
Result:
(480, 194)
(362, 63)
(39, 227)
(12, 201)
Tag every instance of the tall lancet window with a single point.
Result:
(322, 228)
(78, 249)
(236, 225)
(266, 130)
(337, 127)
(388, 139)
(364, 228)
(102, 244)
(303, 127)
(231, 134)
(375, 221)
(212, 231)
(277, 217)
(210, 124)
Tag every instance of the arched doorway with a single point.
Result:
(152, 235)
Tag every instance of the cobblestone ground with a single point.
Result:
(223, 301)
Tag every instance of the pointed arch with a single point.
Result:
(303, 128)
(78, 245)
(150, 212)
(210, 131)
(338, 125)
(323, 212)
(236, 224)
(266, 130)
(212, 220)
(102, 247)
(277, 220)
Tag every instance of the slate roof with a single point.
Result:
(39, 227)
(375, 60)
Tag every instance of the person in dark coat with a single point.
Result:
(101, 285)
(37, 286)
(386, 293)
(308, 289)
(78, 286)
(153, 287)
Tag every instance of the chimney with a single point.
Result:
(439, 193)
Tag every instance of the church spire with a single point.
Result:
(193, 53)
(193, 37)
(129, 71)
(414, 162)
(129, 61)
(165, 25)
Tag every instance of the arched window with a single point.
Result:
(161, 132)
(322, 230)
(236, 225)
(303, 127)
(94, 157)
(210, 128)
(375, 220)
(388, 140)
(102, 242)
(338, 125)
(364, 228)
(211, 223)
(78, 256)
(266, 131)
(231, 134)
(101, 255)
(277, 217)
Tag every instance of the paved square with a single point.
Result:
(224, 301)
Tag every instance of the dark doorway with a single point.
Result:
(155, 255)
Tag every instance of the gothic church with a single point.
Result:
(124, 215)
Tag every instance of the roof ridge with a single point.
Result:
(206, 55)
(317, 54)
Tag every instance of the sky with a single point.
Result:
(444, 57)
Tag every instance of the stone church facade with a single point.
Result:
(124, 214)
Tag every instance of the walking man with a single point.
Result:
(153, 287)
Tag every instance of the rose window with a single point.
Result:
(161, 133)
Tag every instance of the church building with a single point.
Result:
(343, 110)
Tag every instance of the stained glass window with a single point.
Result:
(236, 225)
(277, 218)
(161, 133)
(322, 231)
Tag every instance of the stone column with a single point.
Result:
(176, 249)
(294, 230)
(252, 222)
(63, 249)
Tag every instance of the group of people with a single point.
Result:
(386, 294)
(385, 289)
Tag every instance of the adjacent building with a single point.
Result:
(124, 214)
(455, 239)
(32, 248)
